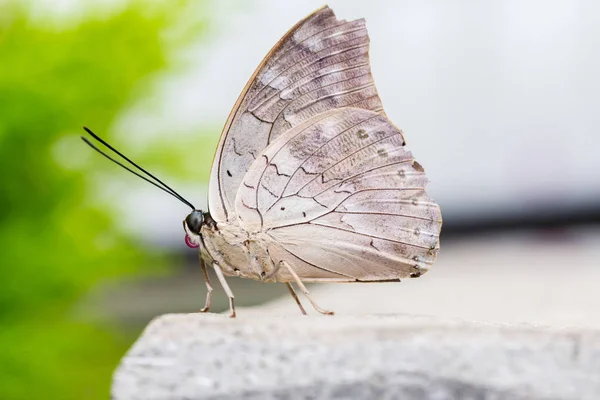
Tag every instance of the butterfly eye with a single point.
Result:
(194, 221)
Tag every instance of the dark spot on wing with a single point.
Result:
(373, 245)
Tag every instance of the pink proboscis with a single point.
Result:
(190, 243)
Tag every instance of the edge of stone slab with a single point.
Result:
(250, 316)
(166, 335)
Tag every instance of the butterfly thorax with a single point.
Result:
(238, 252)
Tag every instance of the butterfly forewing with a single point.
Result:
(321, 64)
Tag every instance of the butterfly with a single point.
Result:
(311, 182)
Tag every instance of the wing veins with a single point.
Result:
(374, 236)
(311, 54)
(352, 194)
(383, 213)
(375, 189)
(277, 152)
(278, 93)
(286, 52)
(378, 109)
(345, 158)
(330, 95)
(268, 190)
(277, 170)
(365, 172)
(301, 166)
(354, 232)
(314, 265)
(320, 59)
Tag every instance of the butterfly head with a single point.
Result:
(192, 225)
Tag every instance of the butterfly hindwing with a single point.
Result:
(342, 199)
(321, 64)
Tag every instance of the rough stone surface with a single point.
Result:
(198, 356)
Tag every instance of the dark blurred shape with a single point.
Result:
(540, 217)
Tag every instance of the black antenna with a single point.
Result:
(164, 186)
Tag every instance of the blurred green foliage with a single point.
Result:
(55, 246)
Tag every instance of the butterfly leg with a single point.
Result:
(304, 290)
(208, 286)
(274, 270)
(295, 296)
(225, 287)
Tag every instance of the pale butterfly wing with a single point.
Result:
(322, 63)
(342, 199)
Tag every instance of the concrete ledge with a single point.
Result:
(260, 356)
